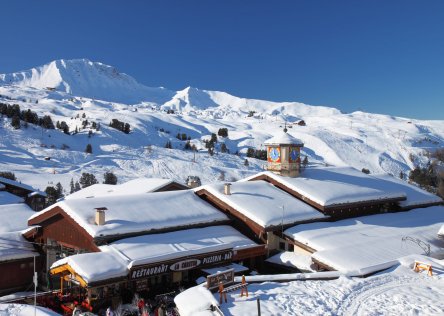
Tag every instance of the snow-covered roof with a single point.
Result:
(14, 217)
(263, 203)
(95, 266)
(415, 196)
(116, 259)
(283, 138)
(331, 186)
(13, 246)
(9, 198)
(293, 260)
(136, 186)
(20, 185)
(370, 243)
(162, 247)
(238, 268)
(139, 212)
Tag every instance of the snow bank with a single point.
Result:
(24, 310)
(264, 203)
(195, 301)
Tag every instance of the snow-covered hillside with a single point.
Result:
(82, 77)
(98, 93)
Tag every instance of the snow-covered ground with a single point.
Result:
(398, 291)
(380, 143)
(24, 310)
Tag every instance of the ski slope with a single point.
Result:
(380, 143)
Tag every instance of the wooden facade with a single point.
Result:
(59, 226)
(17, 275)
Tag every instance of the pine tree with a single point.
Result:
(88, 149)
(305, 162)
(77, 187)
(87, 179)
(109, 178)
(246, 163)
(15, 122)
(59, 189)
(71, 185)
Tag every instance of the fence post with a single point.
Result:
(258, 307)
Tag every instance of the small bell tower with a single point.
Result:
(284, 154)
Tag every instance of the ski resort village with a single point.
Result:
(122, 199)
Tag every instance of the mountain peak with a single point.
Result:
(83, 77)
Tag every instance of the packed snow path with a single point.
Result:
(399, 291)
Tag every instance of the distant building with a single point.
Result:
(34, 198)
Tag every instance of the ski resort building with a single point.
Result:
(140, 242)
(16, 253)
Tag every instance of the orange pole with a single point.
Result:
(61, 285)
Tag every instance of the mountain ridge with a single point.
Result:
(377, 142)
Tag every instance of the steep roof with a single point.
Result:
(283, 138)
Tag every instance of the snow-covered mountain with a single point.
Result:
(82, 77)
(98, 93)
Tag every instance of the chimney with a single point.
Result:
(227, 188)
(100, 216)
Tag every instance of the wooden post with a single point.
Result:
(258, 307)
(61, 285)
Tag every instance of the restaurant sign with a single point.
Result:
(182, 265)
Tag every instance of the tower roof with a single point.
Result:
(283, 138)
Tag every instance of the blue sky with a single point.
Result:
(376, 56)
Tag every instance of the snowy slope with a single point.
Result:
(380, 143)
(82, 77)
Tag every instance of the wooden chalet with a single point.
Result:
(75, 230)
(34, 198)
